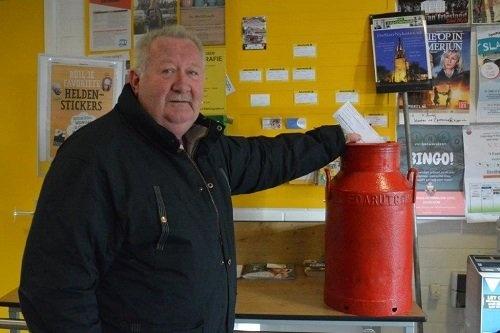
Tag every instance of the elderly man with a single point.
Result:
(133, 231)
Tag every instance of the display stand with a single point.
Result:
(416, 261)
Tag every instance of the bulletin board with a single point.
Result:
(338, 34)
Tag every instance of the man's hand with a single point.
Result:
(352, 137)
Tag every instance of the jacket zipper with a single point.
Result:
(211, 199)
(162, 214)
(221, 243)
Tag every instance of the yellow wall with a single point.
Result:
(338, 29)
(341, 33)
(22, 38)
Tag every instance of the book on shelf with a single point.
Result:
(268, 271)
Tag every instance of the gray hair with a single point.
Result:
(143, 48)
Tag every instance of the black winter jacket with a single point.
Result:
(132, 233)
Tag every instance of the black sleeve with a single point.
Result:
(66, 250)
(259, 163)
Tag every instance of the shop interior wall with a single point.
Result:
(22, 38)
(343, 62)
(444, 244)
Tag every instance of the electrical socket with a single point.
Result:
(434, 291)
(458, 288)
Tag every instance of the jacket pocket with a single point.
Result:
(226, 179)
(162, 216)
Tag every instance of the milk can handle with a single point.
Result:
(412, 178)
(327, 184)
(327, 176)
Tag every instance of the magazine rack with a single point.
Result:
(403, 67)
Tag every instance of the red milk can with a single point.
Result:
(369, 232)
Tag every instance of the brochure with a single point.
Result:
(400, 52)
(268, 271)
(488, 68)
(438, 12)
(448, 102)
(314, 267)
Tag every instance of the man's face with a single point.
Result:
(171, 87)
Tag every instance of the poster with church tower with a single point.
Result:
(400, 52)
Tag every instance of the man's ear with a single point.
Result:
(134, 79)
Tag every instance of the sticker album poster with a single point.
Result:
(438, 155)
(448, 102)
(438, 11)
(400, 52)
(72, 92)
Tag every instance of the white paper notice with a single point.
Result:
(377, 120)
(260, 100)
(304, 74)
(250, 75)
(343, 96)
(306, 97)
(277, 74)
(352, 121)
(110, 27)
(482, 172)
(435, 6)
(304, 50)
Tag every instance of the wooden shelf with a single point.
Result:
(299, 299)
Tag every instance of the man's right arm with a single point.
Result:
(66, 249)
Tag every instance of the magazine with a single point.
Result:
(268, 271)
(488, 68)
(448, 102)
(485, 11)
(400, 52)
(438, 12)
(314, 267)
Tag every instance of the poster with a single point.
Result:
(400, 53)
(214, 99)
(438, 11)
(205, 19)
(254, 31)
(153, 14)
(438, 155)
(72, 93)
(488, 62)
(109, 25)
(482, 172)
(448, 102)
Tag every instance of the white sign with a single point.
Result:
(304, 74)
(260, 100)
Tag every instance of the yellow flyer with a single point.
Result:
(215, 78)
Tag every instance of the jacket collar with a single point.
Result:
(136, 117)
